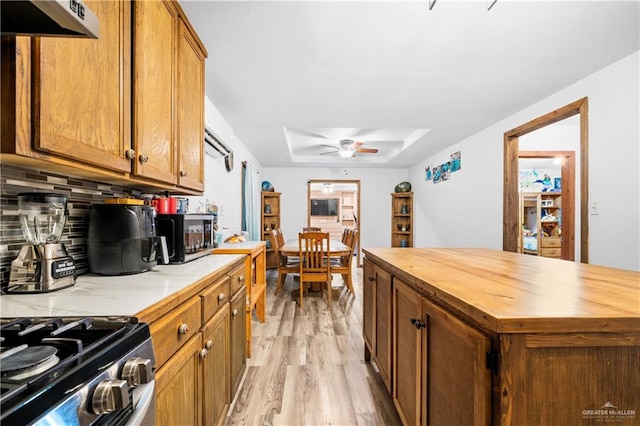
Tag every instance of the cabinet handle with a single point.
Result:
(130, 154)
(417, 323)
(221, 297)
(234, 313)
(203, 353)
(144, 158)
(371, 278)
(183, 329)
(241, 278)
(208, 345)
(183, 173)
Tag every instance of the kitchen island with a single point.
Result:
(480, 336)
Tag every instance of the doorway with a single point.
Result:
(333, 205)
(511, 226)
(564, 163)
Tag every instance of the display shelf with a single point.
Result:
(402, 219)
(270, 208)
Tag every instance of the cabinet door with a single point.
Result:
(190, 110)
(178, 382)
(458, 382)
(215, 371)
(238, 339)
(407, 365)
(383, 325)
(81, 98)
(368, 309)
(155, 26)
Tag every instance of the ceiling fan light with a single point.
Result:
(346, 153)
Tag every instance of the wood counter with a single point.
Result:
(514, 339)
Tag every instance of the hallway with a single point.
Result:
(307, 366)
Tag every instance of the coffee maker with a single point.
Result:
(43, 264)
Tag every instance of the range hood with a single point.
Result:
(48, 18)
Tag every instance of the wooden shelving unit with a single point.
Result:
(402, 219)
(541, 215)
(270, 220)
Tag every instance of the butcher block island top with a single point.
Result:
(507, 292)
(486, 337)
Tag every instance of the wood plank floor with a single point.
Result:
(307, 365)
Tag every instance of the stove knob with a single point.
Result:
(137, 371)
(110, 395)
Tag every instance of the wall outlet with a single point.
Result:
(593, 207)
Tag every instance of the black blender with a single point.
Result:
(43, 264)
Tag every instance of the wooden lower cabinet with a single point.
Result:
(178, 387)
(377, 318)
(456, 381)
(215, 368)
(407, 354)
(368, 309)
(440, 372)
(238, 337)
(200, 351)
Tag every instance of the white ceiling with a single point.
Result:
(291, 76)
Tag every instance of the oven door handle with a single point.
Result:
(144, 408)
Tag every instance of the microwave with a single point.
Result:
(188, 236)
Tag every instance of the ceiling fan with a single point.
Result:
(348, 148)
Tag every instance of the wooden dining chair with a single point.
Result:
(313, 249)
(342, 265)
(286, 264)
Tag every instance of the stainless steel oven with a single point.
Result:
(188, 236)
(78, 372)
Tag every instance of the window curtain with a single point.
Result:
(251, 202)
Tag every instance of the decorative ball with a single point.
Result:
(267, 186)
(403, 187)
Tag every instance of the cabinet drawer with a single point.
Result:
(214, 297)
(170, 332)
(550, 242)
(237, 279)
(550, 252)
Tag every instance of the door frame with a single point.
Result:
(568, 191)
(358, 218)
(510, 226)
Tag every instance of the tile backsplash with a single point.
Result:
(80, 195)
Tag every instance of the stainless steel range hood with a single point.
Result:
(48, 18)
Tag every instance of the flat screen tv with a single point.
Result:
(324, 207)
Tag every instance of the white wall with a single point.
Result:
(376, 185)
(223, 188)
(466, 211)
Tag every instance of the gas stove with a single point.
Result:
(79, 372)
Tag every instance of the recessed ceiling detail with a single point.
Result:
(358, 146)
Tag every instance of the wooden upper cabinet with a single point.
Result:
(190, 109)
(80, 101)
(155, 29)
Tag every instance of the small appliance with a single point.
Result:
(122, 239)
(43, 264)
(189, 236)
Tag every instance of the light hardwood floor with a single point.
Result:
(307, 365)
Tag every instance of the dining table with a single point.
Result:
(336, 249)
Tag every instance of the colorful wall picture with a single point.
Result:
(437, 174)
(428, 173)
(456, 158)
(446, 170)
(557, 184)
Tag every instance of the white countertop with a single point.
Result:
(113, 296)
